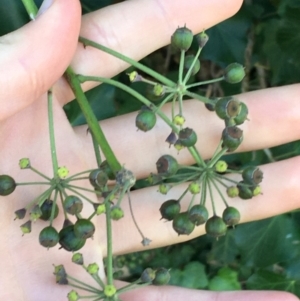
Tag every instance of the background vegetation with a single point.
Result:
(264, 36)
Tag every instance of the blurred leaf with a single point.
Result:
(267, 280)
(225, 280)
(191, 276)
(263, 243)
(92, 5)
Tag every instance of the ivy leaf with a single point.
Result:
(225, 280)
(263, 243)
(191, 276)
(268, 280)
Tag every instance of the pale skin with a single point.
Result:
(35, 57)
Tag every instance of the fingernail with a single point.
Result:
(45, 5)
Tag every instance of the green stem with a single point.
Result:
(33, 183)
(39, 173)
(181, 65)
(199, 97)
(188, 75)
(211, 195)
(30, 8)
(109, 263)
(96, 150)
(219, 191)
(206, 82)
(73, 177)
(131, 286)
(79, 194)
(130, 61)
(217, 156)
(92, 120)
(51, 132)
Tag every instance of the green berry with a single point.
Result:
(20, 213)
(62, 172)
(232, 137)
(256, 191)
(242, 116)
(73, 296)
(221, 166)
(145, 120)
(109, 290)
(134, 76)
(194, 188)
(202, 38)
(107, 169)
(187, 137)
(69, 241)
(189, 59)
(60, 274)
(182, 38)
(49, 237)
(7, 185)
(215, 226)
(35, 213)
(245, 191)
(98, 178)
(172, 138)
(178, 120)
(158, 90)
(198, 214)
(231, 216)
(46, 210)
(92, 268)
(24, 163)
(148, 275)
(84, 228)
(164, 188)
(232, 191)
(169, 209)
(73, 204)
(227, 107)
(182, 224)
(26, 227)
(162, 277)
(252, 175)
(116, 213)
(234, 73)
(167, 165)
(100, 208)
(77, 258)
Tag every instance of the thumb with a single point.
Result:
(33, 57)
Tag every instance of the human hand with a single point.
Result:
(35, 57)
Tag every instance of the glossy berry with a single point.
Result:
(169, 209)
(116, 213)
(182, 38)
(98, 178)
(189, 59)
(162, 277)
(215, 226)
(242, 116)
(232, 137)
(7, 185)
(49, 237)
(252, 175)
(227, 107)
(245, 191)
(145, 120)
(234, 73)
(231, 216)
(73, 204)
(182, 224)
(202, 38)
(46, 210)
(187, 137)
(167, 165)
(84, 228)
(69, 241)
(198, 214)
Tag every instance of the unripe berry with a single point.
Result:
(84, 228)
(227, 107)
(24, 163)
(245, 192)
(221, 166)
(169, 209)
(231, 216)
(158, 90)
(148, 275)
(48, 237)
(187, 137)
(252, 175)
(164, 188)
(182, 224)
(20, 213)
(26, 227)
(215, 226)
(107, 169)
(60, 274)
(92, 268)
(47, 208)
(178, 120)
(98, 178)
(232, 137)
(116, 213)
(182, 38)
(77, 258)
(198, 214)
(73, 204)
(167, 165)
(7, 185)
(242, 116)
(69, 241)
(234, 73)
(188, 63)
(62, 172)
(35, 213)
(109, 290)
(162, 277)
(194, 188)
(256, 191)
(232, 191)
(145, 120)
(202, 38)
(73, 296)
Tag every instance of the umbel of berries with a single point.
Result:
(182, 38)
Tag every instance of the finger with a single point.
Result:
(173, 293)
(281, 182)
(274, 119)
(137, 28)
(36, 55)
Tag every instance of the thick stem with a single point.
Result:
(30, 8)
